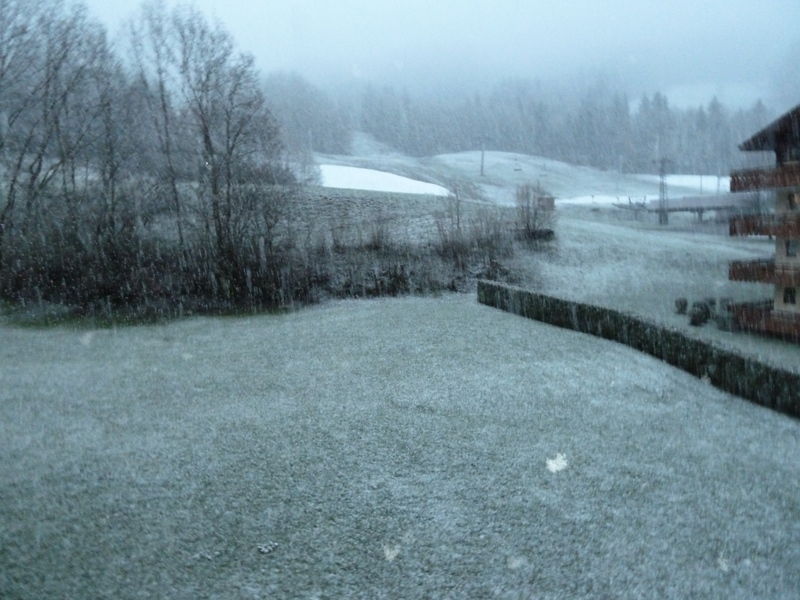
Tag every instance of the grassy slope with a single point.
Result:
(355, 214)
(391, 448)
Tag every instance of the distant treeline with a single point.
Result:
(599, 128)
(596, 126)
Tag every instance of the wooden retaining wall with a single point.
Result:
(746, 377)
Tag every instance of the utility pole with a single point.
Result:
(663, 215)
(3, 135)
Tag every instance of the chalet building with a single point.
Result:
(780, 315)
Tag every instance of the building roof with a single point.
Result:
(788, 124)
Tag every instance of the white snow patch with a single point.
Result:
(390, 552)
(559, 463)
(723, 564)
(516, 562)
(356, 178)
(267, 548)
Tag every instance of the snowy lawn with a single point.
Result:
(413, 448)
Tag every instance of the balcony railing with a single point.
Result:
(787, 275)
(752, 270)
(787, 175)
(775, 225)
(761, 317)
(764, 271)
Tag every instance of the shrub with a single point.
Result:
(699, 314)
(534, 213)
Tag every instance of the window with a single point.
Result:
(790, 295)
(791, 247)
(794, 201)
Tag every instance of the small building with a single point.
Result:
(779, 315)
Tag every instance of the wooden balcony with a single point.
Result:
(761, 317)
(787, 275)
(752, 270)
(787, 175)
(787, 226)
(764, 271)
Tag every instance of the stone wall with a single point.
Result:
(746, 377)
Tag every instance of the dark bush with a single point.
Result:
(699, 314)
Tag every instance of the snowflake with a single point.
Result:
(559, 463)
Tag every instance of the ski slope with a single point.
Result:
(356, 178)
(502, 173)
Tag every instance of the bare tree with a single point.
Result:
(534, 213)
(156, 60)
(20, 83)
(235, 133)
(79, 180)
(49, 52)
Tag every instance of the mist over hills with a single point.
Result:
(597, 126)
(617, 84)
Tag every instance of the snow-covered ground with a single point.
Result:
(424, 447)
(608, 258)
(355, 178)
(603, 255)
(503, 171)
(708, 184)
(414, 448)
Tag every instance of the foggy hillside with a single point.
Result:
(617, 87)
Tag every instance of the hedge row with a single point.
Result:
(746, 377)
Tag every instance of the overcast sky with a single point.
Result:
(688, 49)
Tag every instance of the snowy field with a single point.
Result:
(415, 448)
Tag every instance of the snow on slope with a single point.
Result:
(504, 171)
(356, 178)
(704, 184)
(576, 184)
